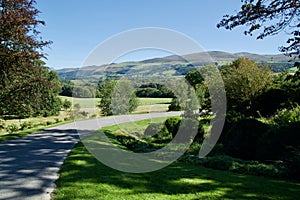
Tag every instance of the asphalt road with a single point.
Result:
(29, 165)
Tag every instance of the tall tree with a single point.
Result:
(24, 81)
(244, 83)
(117, 97)
(270, 17)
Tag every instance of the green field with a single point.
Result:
(145, 104)
(83, 177)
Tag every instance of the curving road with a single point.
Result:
(29, 165)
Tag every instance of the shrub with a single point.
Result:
(26, 125)
(2, 124)
(67, 104)
(172, 124)
(152, 129)
(241, 140)
(278, 141)
(57, 120)
(12, 128)
(175, 105)
(286, 116)
(49, 123)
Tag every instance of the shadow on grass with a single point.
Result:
(82, 176)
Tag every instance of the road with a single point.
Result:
(29, 165)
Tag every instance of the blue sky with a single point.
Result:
(76, 27)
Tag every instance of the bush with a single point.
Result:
(153, 129)
(286, 116)
(278, 141)
(12, 128)
(26, 125)
(49, 123)
(175, 105)
(57, 120)
(223, 162)
(241, 140)
(67, 104)
(2, 124)
(172, 124)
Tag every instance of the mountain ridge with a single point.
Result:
(172, 65)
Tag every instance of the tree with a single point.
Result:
(117, 97)
(26, 85)
(194, 77)
(271, 17)
(244, 83)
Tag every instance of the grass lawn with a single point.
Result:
(137, 126)
(83, 177)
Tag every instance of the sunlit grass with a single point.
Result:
(83, 177)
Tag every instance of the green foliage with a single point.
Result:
(244, 83)
(283, 93)
(194, 78)
(83, 92)
(67, 88)
(67, 104)
(224, 162)
(242, 139)
(2, 124)
(26, 125)
(27, 87)
(11, 128)
(270, 17)
(117, 97)
(172, 124)
(153, 129)
(154, 90)
(286, 116)
(278, 142)
(175, 105)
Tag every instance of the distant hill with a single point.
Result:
(170, 66)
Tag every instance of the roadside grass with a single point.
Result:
(133, 127)
(36, 121)
(18, 134)
(83, 177)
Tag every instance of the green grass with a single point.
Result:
(152, 101)
(83, 177)
(91, 102)
(84, 102)
(132, 127)
(146, 105)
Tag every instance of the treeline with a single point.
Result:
(149, 90)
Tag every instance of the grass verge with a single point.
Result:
(29, 131)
